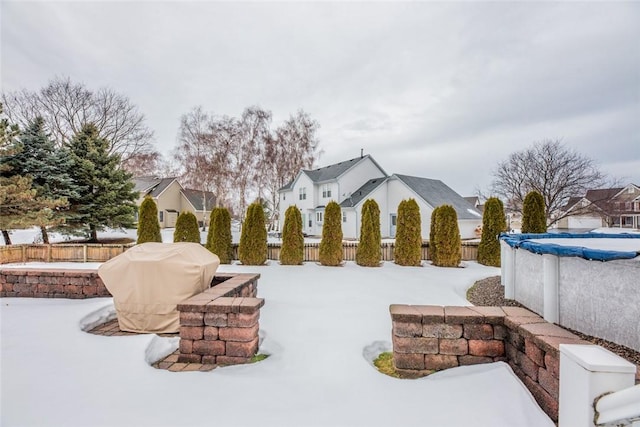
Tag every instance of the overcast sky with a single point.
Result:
(432, 89)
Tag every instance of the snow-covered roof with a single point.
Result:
(361, 193)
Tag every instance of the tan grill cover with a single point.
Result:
(150, 279)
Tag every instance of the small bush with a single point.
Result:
(368, 252)
(148, 225)
(408, 250)
(331, 242)
(384, 364)
(534, 219)
(447, 236)
(187, 229)
(292, 252)
(219, 237)
(433, 252)
(253, 239)
(493, 223)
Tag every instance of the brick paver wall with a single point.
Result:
(428, 338)
(52, 283)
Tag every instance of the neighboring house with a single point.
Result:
(475, 201)
(352, 182)
(172, 199)
(608, 207)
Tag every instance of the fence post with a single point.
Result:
(587, 372)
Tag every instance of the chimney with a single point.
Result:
(361, 152)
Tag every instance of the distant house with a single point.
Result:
(609, 207)
(352, 182)
(172, 199)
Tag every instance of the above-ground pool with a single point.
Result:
(587, 282)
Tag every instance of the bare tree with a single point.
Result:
(552, 169)
(67, 106)
(143, 164)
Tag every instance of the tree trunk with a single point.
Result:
(7, 238)
(45, 235)
(94, 234)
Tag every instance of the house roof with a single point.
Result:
(361, 193)
(195, 198)
(571, 203)
(151, 185)
(437, 193)
(332, 172)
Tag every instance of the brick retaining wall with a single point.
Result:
(52, 283)
(428, 338)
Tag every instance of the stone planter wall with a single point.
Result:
(428, 338)
(220, 325)
(52, 283)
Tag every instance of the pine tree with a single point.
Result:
(187, 229)
(331, 242)
(368, 251)
(48, 168)
(105, 192)
(447, 236)
(219, 237)
(408, 248)
(433, 251)
(534, 219)
(292, 252)
(148, 225)
(253, 239)
(493, 223)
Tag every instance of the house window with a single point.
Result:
(636, 206)
(318, 217)
(627, 221)
(284, 197)
(344, 217)
(161, 215)
(627, 206)
(326, 191)
(302, 193)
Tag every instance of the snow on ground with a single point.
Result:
(321, 327)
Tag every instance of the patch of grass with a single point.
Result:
(384, 363)
(259, 358)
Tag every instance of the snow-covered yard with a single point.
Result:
(322, 326)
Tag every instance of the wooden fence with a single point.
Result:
(100, 253)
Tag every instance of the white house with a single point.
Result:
(352, 182)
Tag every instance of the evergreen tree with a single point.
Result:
(253, 239)
(493, 223)
(331, 242)
(148, 225)
(105, 192)
(48, 168)
(447, 236)
(292, 252)
(408, 248)
(368, 251)
(433, 251)
(187, 229)
(219, 237)
(534, 219)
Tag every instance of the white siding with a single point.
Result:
(306, 206)
(356, 177)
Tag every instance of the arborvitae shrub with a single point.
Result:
(331, 243)
(408, 250)
(187, 229)
(368, 251)
(493, 223)
(433, 252)
(447, 236)
(219, 236)
(148, 225)
(292, 252)
(534, 219)
(253, 239)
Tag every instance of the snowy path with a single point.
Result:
(317, 322)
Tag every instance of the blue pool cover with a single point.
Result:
(524, 241)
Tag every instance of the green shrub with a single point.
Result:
(493, 223)
(187, 229)
(433, 252)
(331, 242)
(408, 248)
(368, 250)
(253, 239)
(447, 237)
(148, 225)
(534, 219)
(292, 252)
(219, 236)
